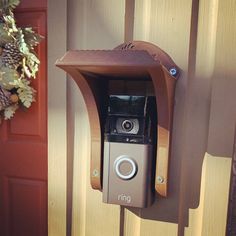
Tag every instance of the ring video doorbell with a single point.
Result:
(130, 148)
(128, 159)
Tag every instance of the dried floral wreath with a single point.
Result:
(18, 62)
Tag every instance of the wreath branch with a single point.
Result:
(19, 63)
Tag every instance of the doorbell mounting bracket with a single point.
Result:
(92, 70)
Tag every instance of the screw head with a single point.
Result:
(173, 71)
(95, 173)
(160, 179)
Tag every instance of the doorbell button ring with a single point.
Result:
(125, 168)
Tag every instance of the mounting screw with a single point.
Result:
(95, 173)
(160, 179)
(173, 71)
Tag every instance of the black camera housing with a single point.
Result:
(131, 119)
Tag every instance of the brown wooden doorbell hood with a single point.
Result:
(93, 69)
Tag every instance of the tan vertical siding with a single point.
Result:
(200, 37)
(210, 217)
(93, 24)
(56, 120)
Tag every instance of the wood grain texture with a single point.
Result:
(92, 24)
(223, 109)
(57, 181)
(131, 223)
(197, 105)
(160, 228)
(23, 145)
(200, 117)
(135, 226)
(129, 20)
(25, 206)
(159, 22)
(210, 217)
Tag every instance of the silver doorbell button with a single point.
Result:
(125, 168)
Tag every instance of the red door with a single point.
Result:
(23, 146)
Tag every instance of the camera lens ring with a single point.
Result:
(127, 125)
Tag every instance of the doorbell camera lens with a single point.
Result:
(127, 125)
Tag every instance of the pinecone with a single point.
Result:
(11, 56)
(5, 100)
